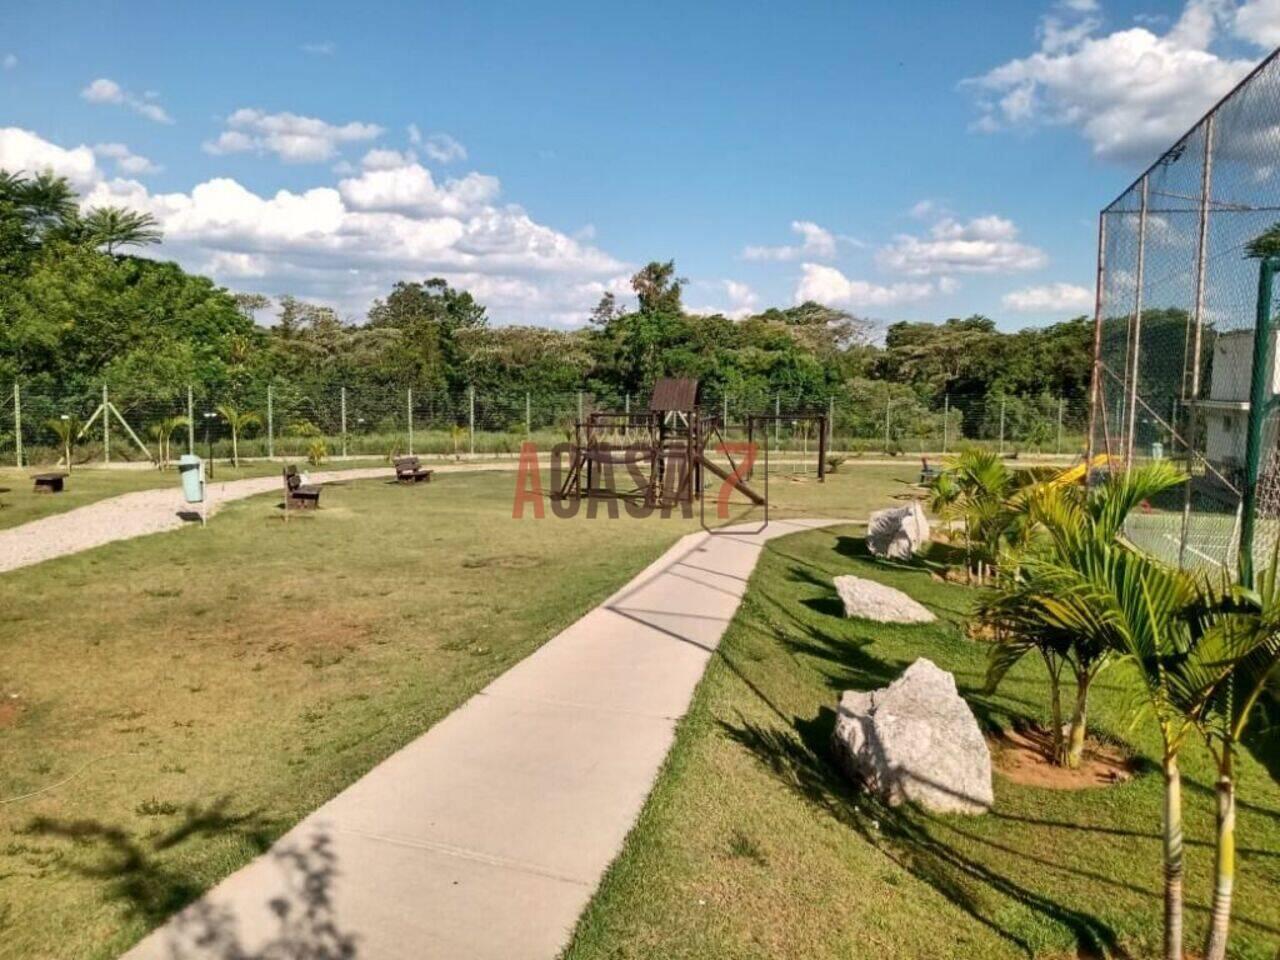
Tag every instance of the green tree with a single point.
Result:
(238, 421)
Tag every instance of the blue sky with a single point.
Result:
(903, 161)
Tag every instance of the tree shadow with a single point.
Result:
(135, 870)
(903, 836)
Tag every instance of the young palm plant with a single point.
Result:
(67, 430)
(1238, 655)
(239, 421)
(162, 433)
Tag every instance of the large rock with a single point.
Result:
(916, 740)
(874, 601)
(898, 532)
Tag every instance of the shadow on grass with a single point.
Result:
(136, 872)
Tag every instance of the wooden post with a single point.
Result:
(822, 450)
(17, 423)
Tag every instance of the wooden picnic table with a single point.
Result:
(49, 482)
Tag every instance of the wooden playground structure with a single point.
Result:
(667, 450)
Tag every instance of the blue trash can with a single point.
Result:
(191, 468)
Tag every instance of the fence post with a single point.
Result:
(106, 426)
(627, 403)
(1002, 426)
(408, 410)
(528, 417)
(1136, 346)
(777, 421)
(271, 425)
(946, 420)
(579, 406)
(724, 416)
(17, 423)
(342, 406)
(831, 421)
(191, 421)
(887, 400)
(1060, 402)
(471, 418)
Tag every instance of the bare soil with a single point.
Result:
(1024, 756)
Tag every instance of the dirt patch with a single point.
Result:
(1023, 757)
(9, 710)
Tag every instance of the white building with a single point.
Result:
(1226, 411)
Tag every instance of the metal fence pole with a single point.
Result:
(1260, 392)
(17, 423)
(946, 420)
(888, 400)
(579, 406)
(831, 421)
(1059, 450)
(471, 418)
(724, 417)
(777, 420)
(1002, 426)
(1136, 345)
(342, 405)
(106, 426)
(271, 425)
(191, 421)
(408, 410)
(528, 417)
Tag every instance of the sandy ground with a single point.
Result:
(149, 511)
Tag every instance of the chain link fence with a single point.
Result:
(1178, 301)
(287, 421)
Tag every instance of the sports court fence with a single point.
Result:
(284, 420)
(1179, 301)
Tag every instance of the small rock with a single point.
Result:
(898, 532)
(916, 740)
(874, 601)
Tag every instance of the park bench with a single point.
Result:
(298, 495)
(927, 473)
(409, 470)
(49, 482)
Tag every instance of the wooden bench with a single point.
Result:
(927, 473)
(49, 482)
(409, 470)
(299, 496)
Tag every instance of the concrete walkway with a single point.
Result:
(485, 838)
(149, 511)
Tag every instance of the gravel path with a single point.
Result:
(136, 515)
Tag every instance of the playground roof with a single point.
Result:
(672, 393)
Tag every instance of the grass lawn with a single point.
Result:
(19, 503)
(205, 689)
(753, 846)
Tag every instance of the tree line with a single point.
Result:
(78, 309)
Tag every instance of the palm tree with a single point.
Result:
(1059, 533)
(985, 495)
(68, 430)
(238, 421)
(162, 433)
(1239, 654)
(114, 227)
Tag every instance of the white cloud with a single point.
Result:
(10, 61)
(1258, 21)
(323, 49)
(816, 243)
(127, 162)
(743, 301)
(982, 245)
(347, 244)
(1130, 93)
(292, 138)
(380, 159)
(442, 148)
(106, 91)
(829, 286)
(1051, 298)
(21, 150)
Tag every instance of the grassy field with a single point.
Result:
(207, 688)
(752, 846)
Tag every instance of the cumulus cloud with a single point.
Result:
(829, 286)
(1131, 93)
(987, 244)
(106, 91)
(348, 243)
(442, 148)
(1051, 298)
(292, 138)
(815, 243)
(127, 162)
(742, 300)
